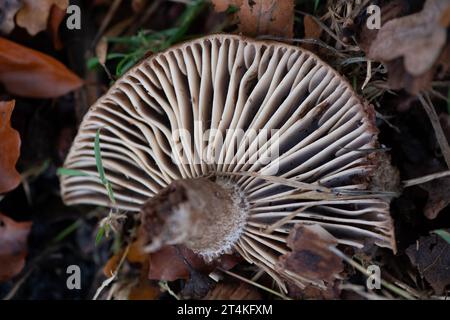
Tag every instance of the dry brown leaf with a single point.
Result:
(418, 38)
(13, 246)
(172, 263)
(233, 291)
(262, 17)
(144, 290)
(34, 14)
(310, 256)
(267, 17)
(438, 196)
(431, 256)
(312, 29)
(30, 73)
(444, 20)
(56, 17)
(9, 149)
(8, 10)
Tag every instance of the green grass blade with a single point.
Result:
(444, 234)
(99, 236)
(71, 172)
(98, 158)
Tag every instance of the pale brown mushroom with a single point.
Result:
(225, 143)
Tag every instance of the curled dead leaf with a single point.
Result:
(310, 256)
(418, 38)
(30, 73)
(233, 291)
(34, 14)
(9, 149)
(431, 256)
(13, 246)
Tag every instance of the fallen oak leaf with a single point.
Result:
(9, 149)
(233, 291)
(13, 246)
(262, 17)
(267, 17)
(431, 256)
(310, 256)
(30, 73)
(34, 14)
(171, 263)
(8, 10)
(418, 38)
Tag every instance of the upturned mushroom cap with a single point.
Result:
(271, 120)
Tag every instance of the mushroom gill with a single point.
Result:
(226, 143)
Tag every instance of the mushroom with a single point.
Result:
(225, 143)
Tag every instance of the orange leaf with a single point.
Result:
(267, 17)
(30, 73)
(262, 17)
(13, 246)
(9, 149)
(144, 290)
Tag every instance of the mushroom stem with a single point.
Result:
(206, 216)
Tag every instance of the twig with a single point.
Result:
(108, 281)
(111, 12)
(360, 268)
(424, 179)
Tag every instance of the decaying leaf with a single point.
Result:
(13, 246)
(431, 255)
(262, 17)
(8, 10)
(233, 291)
(197, 286)
(310, 256)
(9, 149)
(144, 290)
(438, 196)
(30, 73)
(418, 38)
(56, 17)
(312, 29)
(172, 263)
(267, 17)
(34, 14)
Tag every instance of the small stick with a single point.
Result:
(424, 179)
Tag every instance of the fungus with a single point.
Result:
(226, 143)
